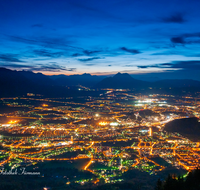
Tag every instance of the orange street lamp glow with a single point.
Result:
(12, 122)
(103, 123)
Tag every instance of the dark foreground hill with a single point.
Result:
(190, 182)
(188, 127)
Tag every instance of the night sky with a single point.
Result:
(158, 38)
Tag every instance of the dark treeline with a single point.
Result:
(190, 182)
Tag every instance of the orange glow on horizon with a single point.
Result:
(100, 73)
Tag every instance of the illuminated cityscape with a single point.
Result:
(105, 135)
(99, 95)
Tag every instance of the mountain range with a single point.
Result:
(125, 81)
(13, 83)
(73, 80)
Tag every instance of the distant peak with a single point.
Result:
(118, 73)
(88, 74)
(122, 75)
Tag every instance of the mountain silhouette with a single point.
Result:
(125, 81)
(17, 83)
(37, 77)
(121, 80)
(73, 80)
(13, 83)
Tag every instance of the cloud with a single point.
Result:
(37, 25)
(189, 38)
(9, 58)
(71, 69)
(175, 18)
(143, 67)
(167, 64)
(92, 10)
(88, 53)
(89, 59)
(149, 66)
(90, 64)
(183, 65)
(54, 67)
(77, 54)
(178, 40)
(134, 51)
(167, 53)
(16, 66)
(46, 42)
(47, 53)
(50, 67)
(129, 66)
(191, 65)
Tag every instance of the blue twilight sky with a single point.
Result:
(155, 38)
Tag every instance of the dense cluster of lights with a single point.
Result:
(104, 131)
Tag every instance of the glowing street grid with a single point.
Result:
(105, 135)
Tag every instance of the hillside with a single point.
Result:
(188, 127)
